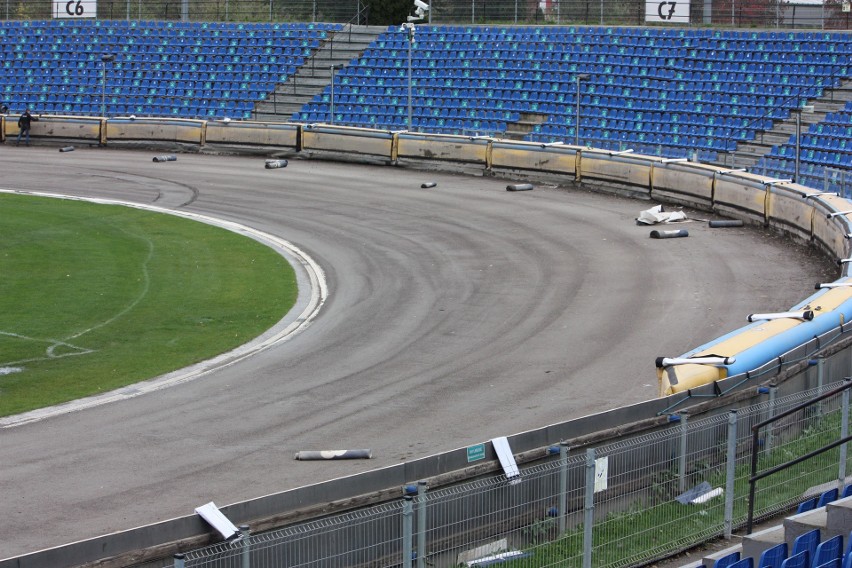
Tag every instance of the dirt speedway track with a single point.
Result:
(455, 314)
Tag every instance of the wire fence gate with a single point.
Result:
(621, 504)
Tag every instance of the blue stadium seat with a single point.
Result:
(827, 551)
(747, 562)
(727, 561)
(807, 504)
(799, 560)
(830, 495)
(807, 543)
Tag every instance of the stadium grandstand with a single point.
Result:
(710, 94)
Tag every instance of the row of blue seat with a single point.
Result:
(594, 33)
(808, 551)
(169, 24)
(32, 54)
(154, 110)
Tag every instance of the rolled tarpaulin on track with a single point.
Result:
(272, 164)
(428, 184)
(165, 158)
(519, 187)
(67, 149)
(306, 455)
(722, 223)
(669, 234)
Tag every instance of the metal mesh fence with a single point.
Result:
(620, 504)
(832, 14)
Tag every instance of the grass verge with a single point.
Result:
(94, 297)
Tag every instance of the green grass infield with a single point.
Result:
(94, 297)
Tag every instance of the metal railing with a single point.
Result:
(622, 504)
(757, 448)
(721, 13)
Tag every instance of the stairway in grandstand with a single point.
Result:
(667, 92)
(315, 74)
(770, 150)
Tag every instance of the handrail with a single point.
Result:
(755, 477)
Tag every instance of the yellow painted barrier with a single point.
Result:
(252, 134)
(155, 129)
(348, 140)
(529, 156)
(442, 147)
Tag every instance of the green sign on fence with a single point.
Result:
(475, 453)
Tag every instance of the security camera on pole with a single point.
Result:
(420, 10)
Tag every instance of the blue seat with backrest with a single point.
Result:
(828, 550)
(747, 562)
(827, 497)
(727, 561)
(773, 557)
(799, 560)
(807, 505)
(807, 543)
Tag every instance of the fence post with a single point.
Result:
(407, 526)
(179, 560)
(244, 540)
(422, 487)
(820, 382)
(769, 436)
(589, 511)
(844, 431)
(563, 486)
(682, 456)
(730, 472)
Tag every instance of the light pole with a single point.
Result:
(799, 111)
(580, 77)
(105, 58)
(420, 10)
(409, 27)
(331, 101)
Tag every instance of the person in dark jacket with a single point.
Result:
(24, 126)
